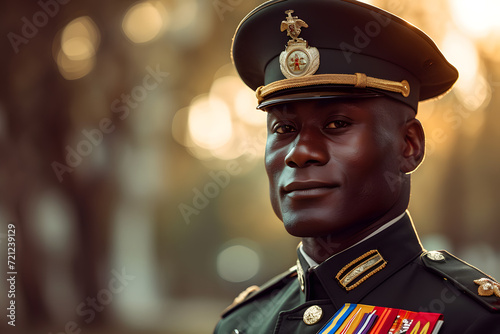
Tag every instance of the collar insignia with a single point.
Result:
(359, 270)
(487, 287)
(298, 59)
(301, 276)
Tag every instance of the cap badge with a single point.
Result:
(298, 59)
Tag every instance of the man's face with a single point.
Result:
(331, 163)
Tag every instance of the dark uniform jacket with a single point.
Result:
(411, 279)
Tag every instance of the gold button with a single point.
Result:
(435, 256)
(312, 315)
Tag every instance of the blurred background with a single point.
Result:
(131, 160)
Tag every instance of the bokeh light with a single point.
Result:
(476, 18)
(144, 21)
(461, 52)
(71, 69)
(223, 124)
(471, 88)
(191, 24)
(238, 263)
(184, 14)
(80, 39)
(210, 122)
(79, 43)
(245, 103)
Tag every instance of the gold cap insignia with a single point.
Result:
(298, 59)
(487, 287)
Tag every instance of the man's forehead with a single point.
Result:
(381, 112)
(347, 104)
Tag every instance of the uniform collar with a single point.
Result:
(313, 264)
(362, 267)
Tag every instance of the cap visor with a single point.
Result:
(317, 95)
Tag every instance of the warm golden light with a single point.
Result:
(144, 21)
(209, 122)
(74, 69)
(230, 151)
(370, 2)
(462, 53)
(80, 39)
(240, 98)
(78, 48)
(179, 127)
(79, 43)
(184, 15)
(223, 124)
(476, 18)
(225, 88)
(245, 103)
(471, 87)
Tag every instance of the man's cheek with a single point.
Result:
(276, 203)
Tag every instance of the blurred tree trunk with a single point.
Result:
(35, 101)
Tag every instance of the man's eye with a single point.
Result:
(282, 129)
(337, 124)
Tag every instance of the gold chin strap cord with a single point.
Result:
(358, 80)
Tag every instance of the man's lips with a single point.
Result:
(304, 187)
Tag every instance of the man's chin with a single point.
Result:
(308, 229)
(313, 224)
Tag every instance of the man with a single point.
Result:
(342, 142)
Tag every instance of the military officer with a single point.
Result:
(340, 81)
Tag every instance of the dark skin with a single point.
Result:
(340, 168)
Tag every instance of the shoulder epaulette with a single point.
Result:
(251, 293)
(480, 286)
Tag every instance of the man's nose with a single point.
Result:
(307, 150)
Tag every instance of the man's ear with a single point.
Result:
(414, 146)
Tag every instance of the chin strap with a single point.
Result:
(358, 80)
